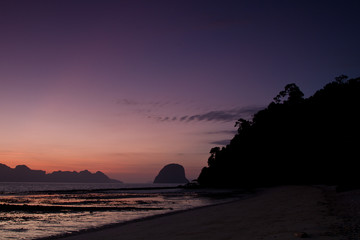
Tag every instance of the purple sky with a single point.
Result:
(126, 87)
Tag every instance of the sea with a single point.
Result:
(41, 210)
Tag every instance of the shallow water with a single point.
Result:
(34, 210)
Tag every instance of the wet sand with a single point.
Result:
(280, 213)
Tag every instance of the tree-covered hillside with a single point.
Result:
(294, 141)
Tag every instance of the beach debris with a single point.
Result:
(301, 235)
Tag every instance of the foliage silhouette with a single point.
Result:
(293, 141)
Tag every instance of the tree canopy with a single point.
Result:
(293, 141)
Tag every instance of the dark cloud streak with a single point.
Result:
(228, 115)
(232, 132)
(221, 142)
(216, 116)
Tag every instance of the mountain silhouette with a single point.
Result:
(22, 173)
(171, 173)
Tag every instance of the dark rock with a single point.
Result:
(171, 173)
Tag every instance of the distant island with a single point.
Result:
(171, 173)
(22, 173)
(294, 140)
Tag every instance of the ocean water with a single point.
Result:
(36, 210)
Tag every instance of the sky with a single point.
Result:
(126, 87)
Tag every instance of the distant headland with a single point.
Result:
(22, 173)
(294, 140)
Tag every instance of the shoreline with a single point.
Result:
(80, 189)
(138, 220)
(278, 212)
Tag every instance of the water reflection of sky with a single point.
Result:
(94, 210)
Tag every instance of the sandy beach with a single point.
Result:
(280, 213)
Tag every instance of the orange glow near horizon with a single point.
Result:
(69, 136)
(136, 168)
(128, 88)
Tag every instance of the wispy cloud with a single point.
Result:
(156, 110)
(134, 103)
(216, 115)
(231, 132)
(221, 142)
(127, 102)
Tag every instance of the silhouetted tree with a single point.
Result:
(291, 94)
(293, 141)
(213, 152)
(340, 79)
(243, 124)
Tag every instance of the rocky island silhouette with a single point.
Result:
(22, 173)
(171, 173)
